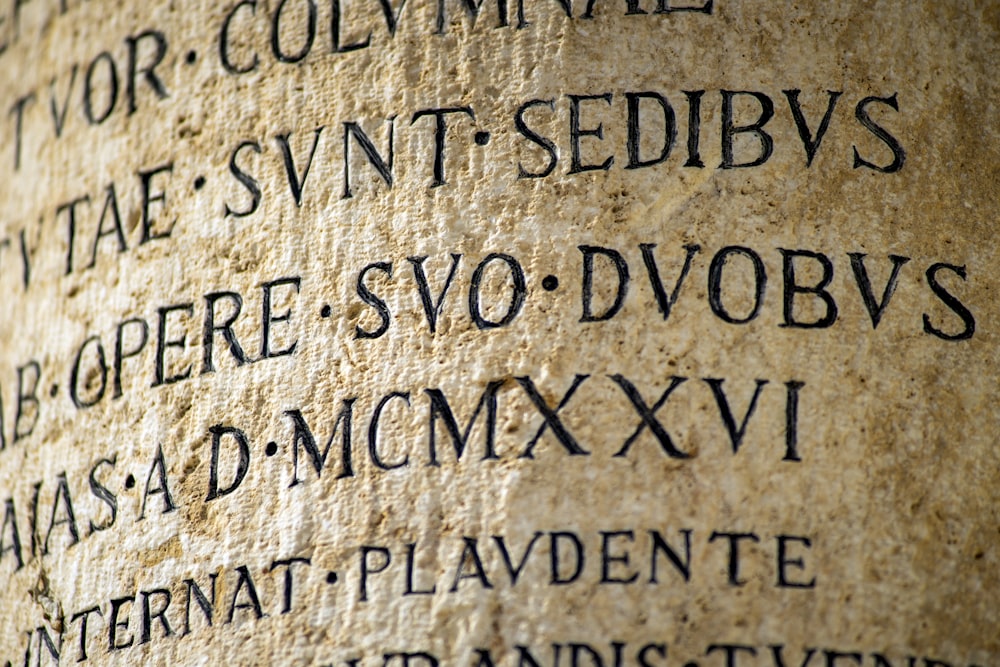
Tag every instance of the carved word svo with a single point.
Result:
(646, 119)
(297, 30)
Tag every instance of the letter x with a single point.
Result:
(649, 416)
(551, 417)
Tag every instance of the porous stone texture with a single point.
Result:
(543, 333)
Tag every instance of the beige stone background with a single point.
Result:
(898, 488)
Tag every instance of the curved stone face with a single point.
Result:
(657, 333)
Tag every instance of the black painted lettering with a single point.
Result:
(382, 166)
(875, 308)
(732, 652)
(609, 560)
(207, 606)
(83, 617)
(440, 409)
(730, 130)
(226, 328)
(833, 657)
(411, 551)
(287, 563)
(10, 530)
(94, 377)
(648, 416)
(146, 70)
(68, 517)
(70, 209)
(557, 558)
(59, 112)
(162, 343)
(431, 309)
(114, 625)
(515, 570)
(470, 559)
(694, 128)
(661, 649)
(809, 142)
(224, 43)
(792, 389)
(634, 141)
(575, 133)
(951, 301)
(36, 539)
(121, 353)
(297, 181)
(784, 562)
(660, 545)
(158, 468)
(29, 408)
(733, 540)
(148, 199)
(268, 318)
(779, 661)
(664, 302)
(110, 206)
(251, 184)
(735, 432)
(245, 583)
(374, 301)
(218, 432)
(472, 8)
(304, 438)
(792, 288)
(898, 154)
(104, 494)
(336, 11)
(368, 569)
(373, 438)
(621, 267)
(519, 290)
(551, 417)
(17, 110)
(310, 33)
(149, 614)
(719, 262)
(53, 647)
(440, 131)
(96, 117)
(547, 144)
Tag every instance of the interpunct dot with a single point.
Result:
(199, 183)
(482, 138)
(129, 482)
(550, 283)
(191, 57)
(271, 449)
(325, 311)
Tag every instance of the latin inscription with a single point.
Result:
(363, 432)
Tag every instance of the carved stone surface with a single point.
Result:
(547, 333)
